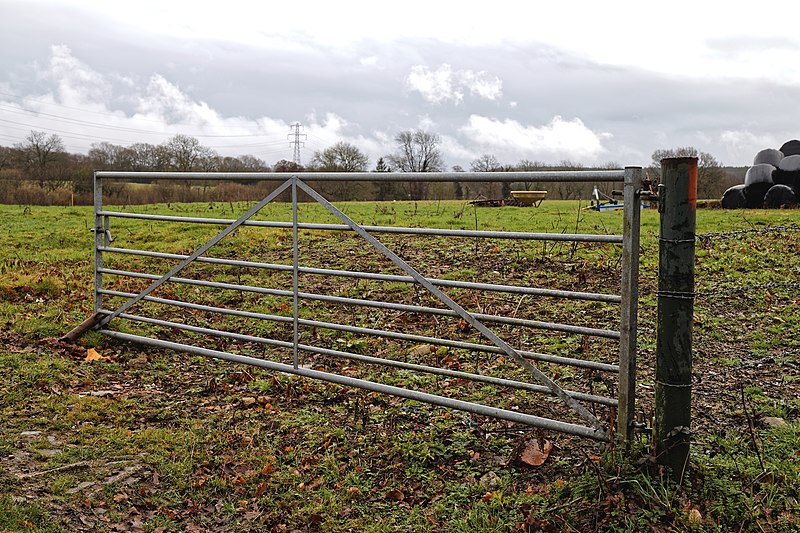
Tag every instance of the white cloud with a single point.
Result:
(737, 145)
(445, 84)
(559, 139)
(77, 104)
(75, 82)
(482, 84)
(163, 100)
(743, 139)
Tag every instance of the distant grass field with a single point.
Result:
(148, 440)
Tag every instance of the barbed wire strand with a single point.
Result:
(737, 233)
(705, 237)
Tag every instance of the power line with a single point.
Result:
(69, 120)
(101, 113)
(25, 126)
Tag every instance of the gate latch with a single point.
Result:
(106, 232)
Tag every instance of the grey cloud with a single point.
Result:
(736, 45)
(641, 110)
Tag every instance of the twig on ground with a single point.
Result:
(71, 466)
(751, 427)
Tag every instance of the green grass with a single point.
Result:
(215, 445)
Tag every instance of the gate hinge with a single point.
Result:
(645, 193)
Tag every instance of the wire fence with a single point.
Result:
(707, 240)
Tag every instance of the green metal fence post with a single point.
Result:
(676, 249)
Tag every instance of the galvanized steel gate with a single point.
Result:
(590, 426)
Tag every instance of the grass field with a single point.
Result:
(151, 440)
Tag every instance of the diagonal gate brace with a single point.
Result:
(463, 313)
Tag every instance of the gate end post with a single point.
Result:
(630, 303)
(675, 309)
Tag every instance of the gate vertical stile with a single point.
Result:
(100, 228)
(295, 270)
(630, 305)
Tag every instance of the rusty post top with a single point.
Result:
(679, 160)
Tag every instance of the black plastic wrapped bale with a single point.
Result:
(788, 173)
(734, 198)
(757, 182)
(791, 148)
(761, 173)
(790, 163)
(754, 194)
(770, 156)
(779, 196)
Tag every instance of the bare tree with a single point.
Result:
(385, 190)
(340, 157)
(142, 157)
(9, 157)
(288, 166)
(107, 156)
(710, 174)
(39, 153)
(185, 153)
(526, 165)
(486, 163)
(251, 163)
(418, 151)
(458, 188)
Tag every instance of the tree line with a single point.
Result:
(39, 170)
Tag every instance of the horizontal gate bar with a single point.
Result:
(611, 402)
(534, 291)
(568, 176)
(438, 232)
(580, 363)
(534, 324)
(433, 399)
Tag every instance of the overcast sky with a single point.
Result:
(586, 81)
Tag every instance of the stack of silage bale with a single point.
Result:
(773, 181)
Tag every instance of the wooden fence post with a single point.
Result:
(676, 252)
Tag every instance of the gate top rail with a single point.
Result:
(570, 176)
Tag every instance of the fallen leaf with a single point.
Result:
(532, 451)
(252, 515)
(311, 485)
(121, 497)
(422, 349)
(395, 495)
(262, 489)
(92, 355)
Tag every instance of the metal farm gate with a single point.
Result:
(206, 321)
